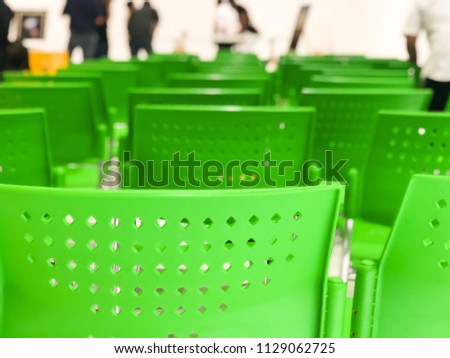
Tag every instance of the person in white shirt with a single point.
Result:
(433, 16)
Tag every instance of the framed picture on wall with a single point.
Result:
(30, 24)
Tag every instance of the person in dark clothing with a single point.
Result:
(103, 46)
(5, 18)
(141, 26)
(85, 17)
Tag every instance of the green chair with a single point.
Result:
(24, 149)
(118, 79)
(200, 80)
(321, 81)
(85, 263)
(95, 79)
(231, 145)
(407, 295)
(404, 144)
(76, 134)
(374, 73)
(346, 120)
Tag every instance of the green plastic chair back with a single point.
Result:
(376, 73)
(361, 82)
(24, 149)
(404, 144)
(76, 133)
(95, 79)
(412, 290)
(118, 79)
(221, 135)
(82, 263)
(346, 119)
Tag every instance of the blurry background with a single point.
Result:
(369, 27)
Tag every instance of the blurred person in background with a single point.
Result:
(433, 16)
(142, 24)
(233, 25)
(5, 18)
(103, 46)
(85, 18)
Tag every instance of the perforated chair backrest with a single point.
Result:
(118, 79)
(223, 135)
(404, 144)
(346, 118)
(95, 79)
(361, 82)
(412, 290)
(71, 118)
(24, 148)
(165, 263)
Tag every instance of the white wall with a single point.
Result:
(370, 27)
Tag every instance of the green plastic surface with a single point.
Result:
(412, 290)
(361, 82)
(75, 132)
(81, 263)
(24, 149)
(346, 119)
(224, 135)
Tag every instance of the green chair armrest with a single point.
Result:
(335, 308)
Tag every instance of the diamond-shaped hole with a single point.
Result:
(138, 248)
(92, 221)
(435, 223)
(95, 308)
(253, 220)
(70, 243)
(203, 289)
(193, 335)
(26, 216)
(92, 245)
(31, 259)
(115, 246)
(51, 262)
(443, 264)
(138, 223)
(276, 218)
(160, 268)
(48, 241)
(54, 282)
(181, 310)
(248, 264)
(116, 290)
(447, 246)
(138, 311)
(94, 288)
(289, 258)
(207, 223)
(72, 265)
(297, 215)
(245, 284)
(69, 219)
(159, 311)
(251, 243)
(183, 246)
(202, 309)
(184, 223)
(441, 204)
(161, 222)
(93, 267)
(171, 335)
(427, 242)
(206, 246)
(115, 269)
(73, 286)
(28, 238)
(138, 269)
(226, 266)
(223, 307)
(181, 291)
(115, 222)
(229, 244)
(266, 281)
(231, 221)
(138, 291)
(182, 269)
(269, 261)
(204, 268)
(160, 291)
(116, 310)
(293, 237)
(225, 287)
(47, 219)
(160, 247)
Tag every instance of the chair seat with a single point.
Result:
(369, 240)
